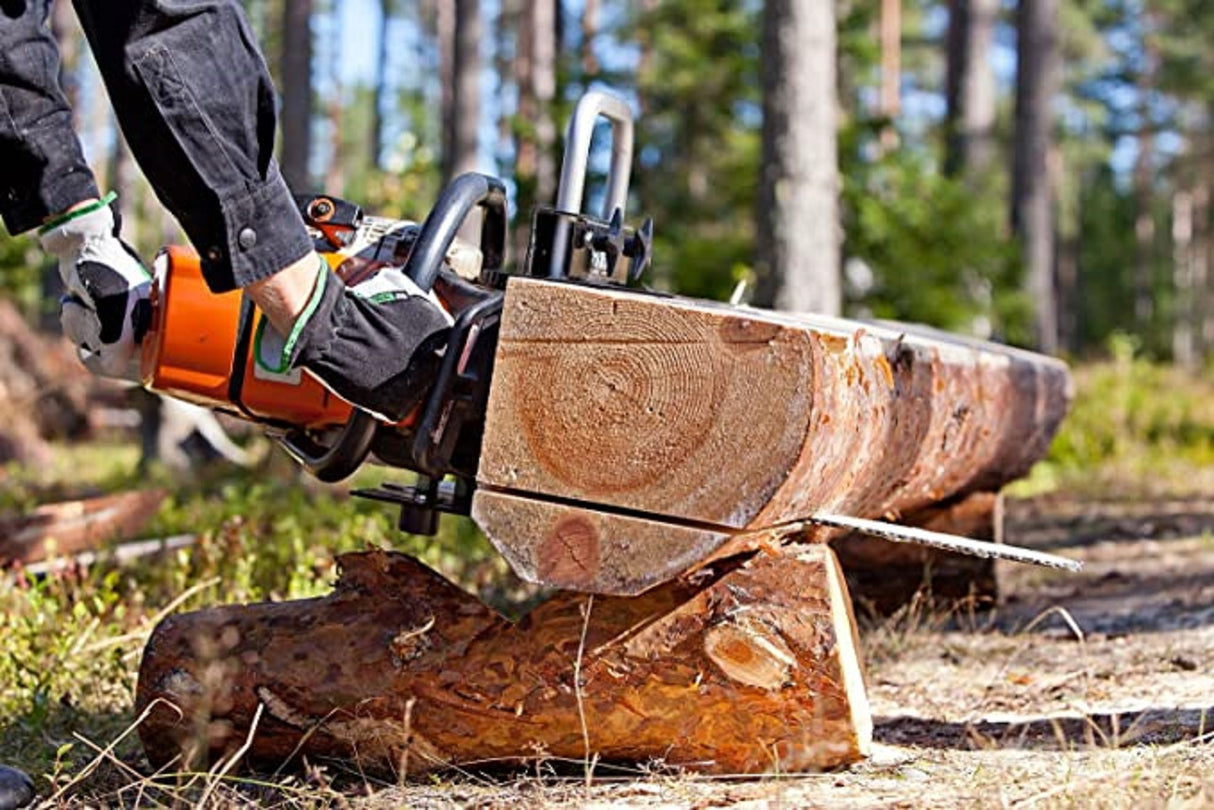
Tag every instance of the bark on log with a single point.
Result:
(748, 667)
(741, 420)
(75, 526)
(884, 576)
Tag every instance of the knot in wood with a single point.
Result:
(750, 653)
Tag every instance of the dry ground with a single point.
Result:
(1090, 690)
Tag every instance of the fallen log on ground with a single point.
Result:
(749, 667)
(75, 526)
(617, 409)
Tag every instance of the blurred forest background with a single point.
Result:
(1033, 171)
(1037, 171)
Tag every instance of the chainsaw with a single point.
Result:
(202, 347)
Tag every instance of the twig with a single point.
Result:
(108, 750)
(222, 773)
(404, 754)
(1038, 619)
(577, 687)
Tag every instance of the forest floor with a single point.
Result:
(1079, 690)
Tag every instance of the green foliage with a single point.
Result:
(1135, 426)
(1131, 411)
(72, 643)
(22, 266)
(936, 249)
(698, 141)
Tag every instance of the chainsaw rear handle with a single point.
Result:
(459, 198)
(464, 193)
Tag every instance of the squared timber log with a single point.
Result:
(749, 666)
(729, 421)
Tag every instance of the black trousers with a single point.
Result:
(196, 104)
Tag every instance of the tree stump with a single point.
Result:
(748, 666)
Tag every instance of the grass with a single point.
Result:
(1135, 427)
(71, 645)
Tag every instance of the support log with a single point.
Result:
(750, 666)
(736, 420)
(72, 527)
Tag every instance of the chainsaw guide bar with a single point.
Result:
(947, 542)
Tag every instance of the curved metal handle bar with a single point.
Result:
(464, 193)
(577, 152)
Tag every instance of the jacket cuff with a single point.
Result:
(262, 232)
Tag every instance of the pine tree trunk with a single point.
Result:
(335, 171)
(891, 69)
(970, 86)
(296, 87)
(1183, 348)
(590, 32)
(535, 130)
(1201, 270)
(1144, 192)
(461, 116)
(1037, 77)
(798, 215)
(375, 136)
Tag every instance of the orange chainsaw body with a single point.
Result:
(190, 352)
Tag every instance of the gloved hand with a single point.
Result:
(105, 310)
(377, 344)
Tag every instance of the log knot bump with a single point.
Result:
(569, 554)
(750, 653)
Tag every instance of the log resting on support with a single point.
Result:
(749, 666)
(617, 410)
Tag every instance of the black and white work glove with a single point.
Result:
(104, 310)
(377, 344)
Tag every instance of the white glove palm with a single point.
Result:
(105, 309)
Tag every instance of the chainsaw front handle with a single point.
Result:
(464, 194)
(577, 153)
(461, 196)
